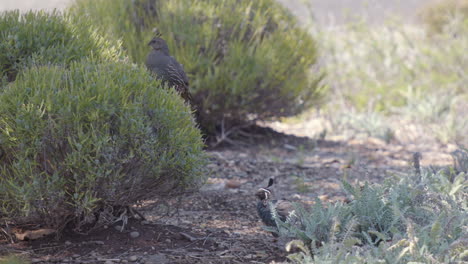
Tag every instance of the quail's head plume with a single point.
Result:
(264, 194)
(283, 207)
(167, 68)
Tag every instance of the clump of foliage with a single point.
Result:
(246, 60)
(415, 217)
(398, 76)
(78, 143)
(44, 38)
(390, 66)
(440, 16)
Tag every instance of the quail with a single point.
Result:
(283, 207)
(167, 68)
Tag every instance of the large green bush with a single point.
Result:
(246, 60)
(43, 38)
(76, 143)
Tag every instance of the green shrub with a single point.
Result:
(415, 217)
(439, 15)
(76, 143)
(247, 60)
(43, 38)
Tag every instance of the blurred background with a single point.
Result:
(325, 12)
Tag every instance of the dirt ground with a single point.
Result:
(219, 224)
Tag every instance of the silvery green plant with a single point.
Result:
(418, 216)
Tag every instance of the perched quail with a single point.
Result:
(283, 207)
(166, 67)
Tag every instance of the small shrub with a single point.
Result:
(415, 217)
(43, 38)
(439, 15)
(247, 60)
(76, 143)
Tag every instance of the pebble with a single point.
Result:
(133, 258)
(168, 240)
(68, 243)
(145, 222)
(75, 256)
(36, 260)
(134, 234)
(109, 262)
(233, 184)
(158, 258)
(118, 228)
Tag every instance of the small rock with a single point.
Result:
(118, 228)
(233, 184)
(243, 155)
(158, 258)
(134, 234)
(133, 258)
(68, 243)
(36, 260)
(75, 256)
(168, 240)
(145, 222)
(109, 262)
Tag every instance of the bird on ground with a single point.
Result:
(283, 207)
(167, 68)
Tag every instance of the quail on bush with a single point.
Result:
(283, 207)
(167, 68)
